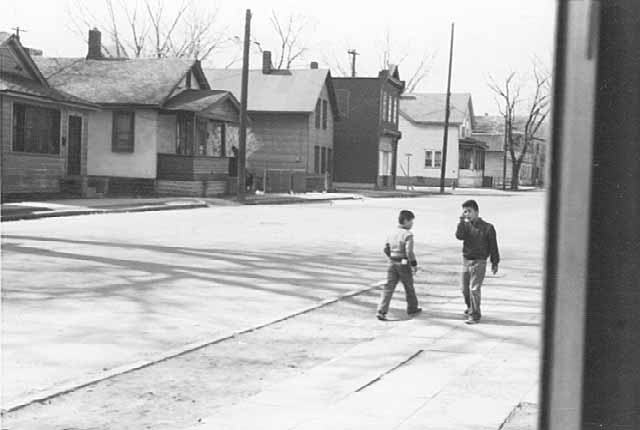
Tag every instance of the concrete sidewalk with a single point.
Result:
(15, 211)
(430, 372)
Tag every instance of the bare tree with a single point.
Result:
(417, 74)
(150, 28)
(521, 132)
(289, 32)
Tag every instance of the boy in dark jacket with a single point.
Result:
(402, 266)
(479, 243)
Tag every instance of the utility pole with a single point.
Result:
(18, 30)
(353, 54)
(504, 155)
(443, 169)
(242, 151)
(408, 169)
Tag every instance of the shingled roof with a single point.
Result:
(123, 81)
(19, 74)
(430, 107)
(278, 91)
(490, 129)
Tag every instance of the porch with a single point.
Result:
(471, 162)
(196, 148)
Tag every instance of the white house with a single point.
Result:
(420, 158)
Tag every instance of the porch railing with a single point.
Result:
(175, 167)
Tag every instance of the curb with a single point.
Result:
(66, 213)
(287, 201)
(69, 387)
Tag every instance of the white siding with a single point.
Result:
(141, 163)
(416, 139)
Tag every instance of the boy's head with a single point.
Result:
(470, 209)
(405, 219)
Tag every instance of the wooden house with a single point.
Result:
(366, 138)
(43, 131)
(422, 119)
(160, 129)
(293, 114)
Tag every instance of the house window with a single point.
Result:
(433, 159)
(392, 118)
(385, 107)
(318, 113)
(36, 129)
(123, 131)
(466, 155)
(437, 159)
(323, 167)
(316, 159)
(428, 159)
(324, 114)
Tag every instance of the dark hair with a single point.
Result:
(405, 216)
(471, 204)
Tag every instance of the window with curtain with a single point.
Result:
(123, 131)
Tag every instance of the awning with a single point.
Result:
(473, 143)
(213, 104)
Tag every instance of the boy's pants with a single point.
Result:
(398, 272)
(473, 272)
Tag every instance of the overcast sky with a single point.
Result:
(492, 37)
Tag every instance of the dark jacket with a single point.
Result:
(480, 240)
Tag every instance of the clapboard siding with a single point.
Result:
(30, 172)
(284, 141)
(191, 168)
(191, 188)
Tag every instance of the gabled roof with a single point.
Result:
(122, 81)
(430, 107)
(490, 129)
(494, 124)
(198, 100)
(19, 74)
(278, 91)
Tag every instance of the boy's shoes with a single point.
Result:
(415, 312)
(467, 311)
(472, 321)
(381, 317)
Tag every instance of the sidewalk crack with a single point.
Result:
(382, 375)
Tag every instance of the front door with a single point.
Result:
(74, 154)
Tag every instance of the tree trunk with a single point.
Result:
(515, 174)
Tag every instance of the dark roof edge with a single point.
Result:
(83, 104)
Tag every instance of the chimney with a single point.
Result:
(314, 64)
(266, 62)
(95, 45)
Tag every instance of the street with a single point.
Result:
(111, 302)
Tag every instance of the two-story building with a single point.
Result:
(490, 130)
(422, 120)
(293, 114)
(366, 138)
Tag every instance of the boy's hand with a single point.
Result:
(414, 269)
(494, 268)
